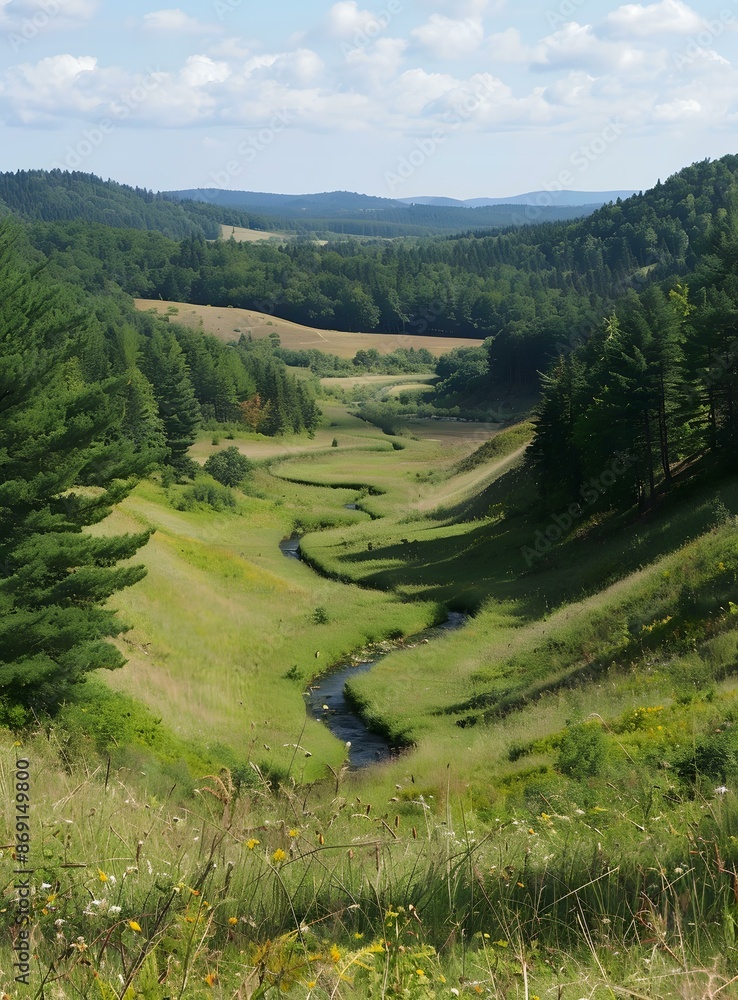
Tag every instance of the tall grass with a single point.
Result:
(316, 890)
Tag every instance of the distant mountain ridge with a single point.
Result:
(54, 196)
(336, 201)
(350, 213)
(569, 199)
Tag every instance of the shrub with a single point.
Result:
(715, 756)
(582, 751)
(218, 497)
(229, 467)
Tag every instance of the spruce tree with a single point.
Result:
(164, 364)
(57, 431)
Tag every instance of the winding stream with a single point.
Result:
(326, 699)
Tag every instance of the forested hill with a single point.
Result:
(533, 290)
(344, 212)
(56, 196)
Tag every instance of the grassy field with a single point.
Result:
(563, 823)
(376, 381)
(241, 235)
(219, 677)
(228, 324)
(416, 386)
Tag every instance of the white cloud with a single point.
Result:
(38, 93)
(66, 8)
(303, 66)
(346, 20)
(571, 91)
(576, 46)
(448, 38)
(199, 71)
(176, 21)
(468, 8)
(232, 48)
(669, 17)
(377, 64)
(677, 110)
(508, 46)
(27, 18)
(416, 89)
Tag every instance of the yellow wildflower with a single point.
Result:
(311, 984)
(135, 926)
(294, 833)
(335, 954)
(279, 856)
(251, 844)
(102, 876)
(212, 978)
(233, 921)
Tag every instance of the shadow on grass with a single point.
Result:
(465, 564)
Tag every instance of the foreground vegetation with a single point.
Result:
(337, 895)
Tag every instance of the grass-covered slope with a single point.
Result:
(563, 822)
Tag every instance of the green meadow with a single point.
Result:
(563, 821)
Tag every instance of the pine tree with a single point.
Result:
(164, 364)
(54, 577)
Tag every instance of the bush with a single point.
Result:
(228, 467)
(218, 497)
(714, 757)
(582, 751)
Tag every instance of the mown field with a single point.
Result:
(228, 324)
(241, 235)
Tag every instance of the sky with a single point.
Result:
(403, 98)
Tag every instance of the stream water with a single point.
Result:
(326, 699)
(290, 547)
(327, 702)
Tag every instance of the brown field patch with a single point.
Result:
(227, 324)
(351, 381)
(241, 235)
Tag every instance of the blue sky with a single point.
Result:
(463, 98)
